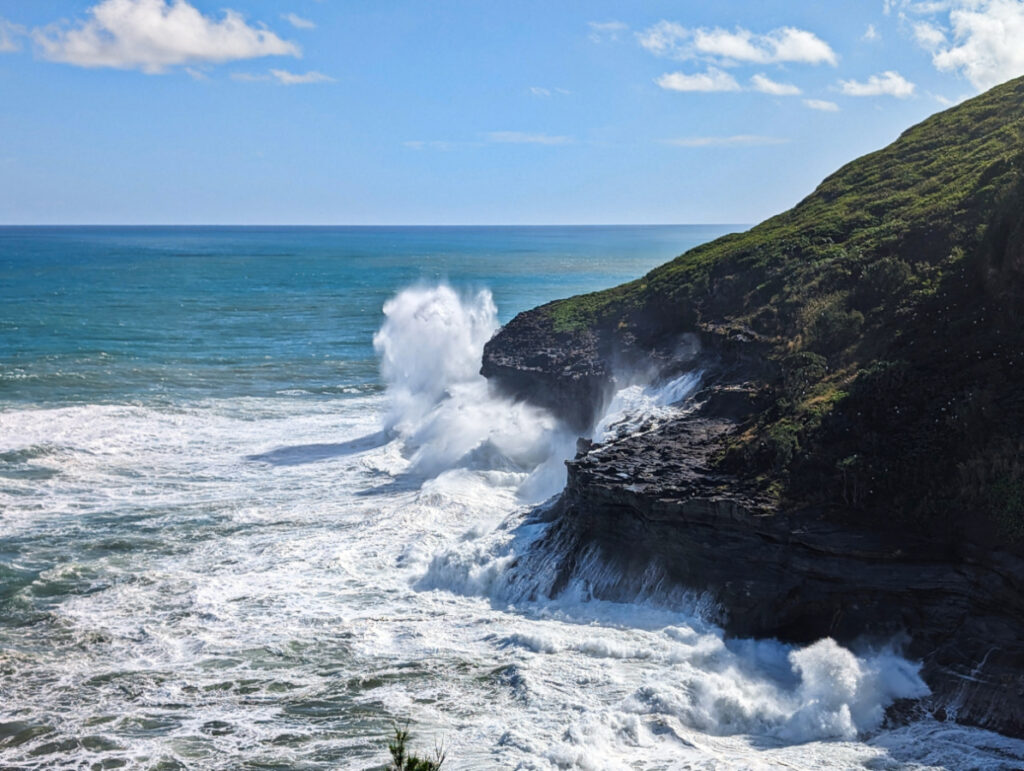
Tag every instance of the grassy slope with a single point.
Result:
(891, 307)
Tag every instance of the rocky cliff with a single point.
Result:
(854, 465)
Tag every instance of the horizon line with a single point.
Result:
(405, 225)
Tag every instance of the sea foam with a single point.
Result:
(273, 581)
(444, 411)
(449, 418)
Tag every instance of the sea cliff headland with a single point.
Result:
(853, 464)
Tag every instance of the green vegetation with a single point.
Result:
(403, 760)
(889, 302)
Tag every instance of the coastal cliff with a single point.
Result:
(853, 465)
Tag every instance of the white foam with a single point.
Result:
(431, 345)
(640, 405)
(276, 567)
(430, 341)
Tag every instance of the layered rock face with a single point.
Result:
(653, 499)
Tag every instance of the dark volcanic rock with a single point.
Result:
(652, 502)
(574, 374)
(563, 372)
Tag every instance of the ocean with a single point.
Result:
(257, 507)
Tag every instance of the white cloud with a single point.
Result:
(152, 35)
(741, 140)
(294, 79)
(988, 42)
(766, 85)
(712, 80)
(782, 45)
(297, 21)
(871, 33)
(666, 38)
(9, 34)
(548, 92)
(822, 104)
(606, 31)
(978, 39)
(925, 7)
(928, 36)
(889, 83)
(491, 138)
(785, 44)
(284, 77)
(196, 74)
(523, 138)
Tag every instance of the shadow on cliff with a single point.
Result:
(299, 454)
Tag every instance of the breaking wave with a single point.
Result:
(449, 419)
(242, 582)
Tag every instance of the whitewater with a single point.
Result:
(257, 506)
(275, 581)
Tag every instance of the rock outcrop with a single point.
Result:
(854, 466)
(654, 499)
(565, 373)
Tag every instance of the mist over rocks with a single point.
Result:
(851, 466)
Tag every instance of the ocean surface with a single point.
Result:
(257, 506)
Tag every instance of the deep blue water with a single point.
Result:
(113, 314)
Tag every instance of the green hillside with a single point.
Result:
(889, 301)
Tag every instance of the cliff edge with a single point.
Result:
(854, 465)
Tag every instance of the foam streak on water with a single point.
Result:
(233, 583)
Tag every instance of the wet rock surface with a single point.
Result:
(652, 498)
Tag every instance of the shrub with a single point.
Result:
(781, 443)
(402, 760)
(834, 327)
(800, 371)
(881, 280)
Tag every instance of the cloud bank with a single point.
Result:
(782, 45)
(153, 35)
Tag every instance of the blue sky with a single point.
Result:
(466, 112)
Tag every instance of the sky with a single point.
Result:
(362, 112)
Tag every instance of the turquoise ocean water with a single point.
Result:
(256, 505)
(109, 314)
